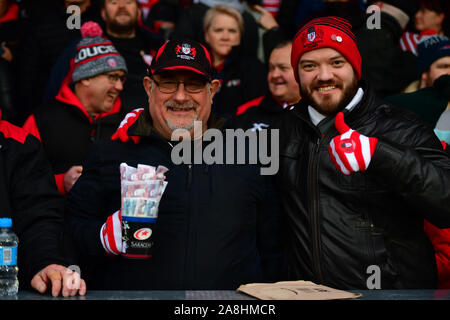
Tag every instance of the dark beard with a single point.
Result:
(122, 29)
(348, 95)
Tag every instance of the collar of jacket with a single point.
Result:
(11, 131)
(143, 127)
(352, 119)
(266, 102)
(12, 14)
(67, 96)
(272, 104)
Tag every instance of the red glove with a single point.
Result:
(350, 151)
(121, 133)
(111, 234)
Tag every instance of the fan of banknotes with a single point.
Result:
(142, 188)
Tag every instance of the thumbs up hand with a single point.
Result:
(350, 151)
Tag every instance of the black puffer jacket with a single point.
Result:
(340, 225)
(29, 196)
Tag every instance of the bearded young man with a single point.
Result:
(121, 17)
(358, 176)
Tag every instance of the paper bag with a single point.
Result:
(295, 290)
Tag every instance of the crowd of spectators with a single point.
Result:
(37, 42)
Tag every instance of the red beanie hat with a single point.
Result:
(326, 32)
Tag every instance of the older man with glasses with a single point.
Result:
(218, 224)
(85, 110)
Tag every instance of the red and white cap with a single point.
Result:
(326, 32)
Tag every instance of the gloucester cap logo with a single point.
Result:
(112, 62)
(185, 51)
(311, 34)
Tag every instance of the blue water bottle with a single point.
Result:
(9, 284)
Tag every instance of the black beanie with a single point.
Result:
(430, 49)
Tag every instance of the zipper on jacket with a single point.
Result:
(189, 266)
(189, 177)
(315, 211)
(98, 128)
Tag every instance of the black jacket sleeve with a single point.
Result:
(420, 173)
(36, 205)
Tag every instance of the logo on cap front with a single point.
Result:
(185, 51)
(112, 62)
(311, 34)
(312, 37)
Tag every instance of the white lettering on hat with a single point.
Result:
(102, 49)
(182, 56)
(90, 52)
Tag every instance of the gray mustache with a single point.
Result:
(186, 105)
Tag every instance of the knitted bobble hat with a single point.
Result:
(95, 54)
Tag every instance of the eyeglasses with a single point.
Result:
(193, 86)
(113, 78)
